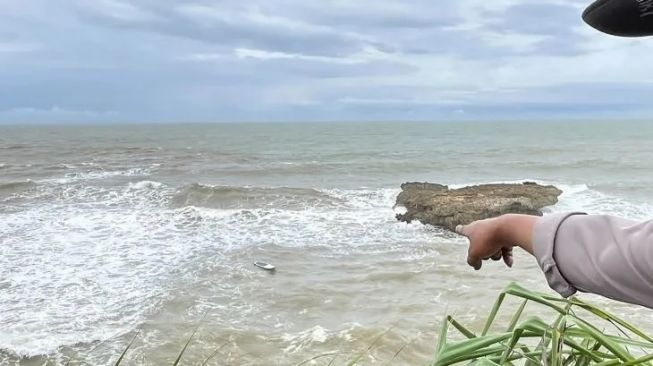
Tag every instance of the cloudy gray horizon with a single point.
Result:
(289, 60)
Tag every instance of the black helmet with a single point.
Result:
(625, 18)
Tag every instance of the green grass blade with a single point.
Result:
(401, 349)
(466, 332)
(442, 340)
(532, 356)
(493, 313)
(595, 346)
(579, 333)
(538, 327)
(458, 357)
(122, 355)
(639, 361)
(317, 358)
(369, 348)
(611, 318)
(569, 340)
(217, 350)
(485, 362)
(183, 350)
(515, 318)
(461, 351)
(556, 345)
(516, 290)
(333, 359)
(516, 335)
(614, 347)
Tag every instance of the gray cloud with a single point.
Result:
(197, 60)
(226, 25)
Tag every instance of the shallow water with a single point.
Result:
(109, 232)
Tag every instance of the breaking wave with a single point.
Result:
(9, 188)
(228, 197)
(115, 252)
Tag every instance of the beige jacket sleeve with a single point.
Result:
(599, 254)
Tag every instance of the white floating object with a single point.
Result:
(265, 266)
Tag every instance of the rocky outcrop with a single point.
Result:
(437, 205)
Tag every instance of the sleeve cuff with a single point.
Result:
(544, 240)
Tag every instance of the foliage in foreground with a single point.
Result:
(573, 338)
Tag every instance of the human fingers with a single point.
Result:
(473, 258)
(475, 262)
(506, 253)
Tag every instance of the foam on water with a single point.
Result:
(98, 175)
(580, 197)
(366, 198)
(79, 274)
(305, 339)
(106, 257)
(145, 184)
(228, 197)
(96, 261)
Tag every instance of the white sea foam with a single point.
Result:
(97, 261)
(582, 198)
(100, 264)
(365, 198)
(98, 175)
(145, 184)
(107, 260)
(305, 339)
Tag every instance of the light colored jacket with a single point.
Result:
(600, 254)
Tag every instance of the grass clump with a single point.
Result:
(574, 337)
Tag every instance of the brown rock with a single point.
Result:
(437, 205)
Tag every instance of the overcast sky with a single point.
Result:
(327, 60)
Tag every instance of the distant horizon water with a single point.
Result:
(119, 123)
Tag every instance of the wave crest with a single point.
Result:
(8, 188)
(230, 197)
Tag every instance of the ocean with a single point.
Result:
(145, 232)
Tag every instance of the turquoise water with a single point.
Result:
(112, 230)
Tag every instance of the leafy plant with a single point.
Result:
(573, 338)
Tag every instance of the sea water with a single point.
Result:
(113, 232)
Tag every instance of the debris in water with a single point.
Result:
(265, 266)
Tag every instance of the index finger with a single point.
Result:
(474, 261)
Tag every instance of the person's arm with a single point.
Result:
(600, 254)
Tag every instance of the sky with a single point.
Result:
(106, 61)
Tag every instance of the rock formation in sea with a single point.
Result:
(437, 205)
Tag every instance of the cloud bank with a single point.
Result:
(205, 61)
